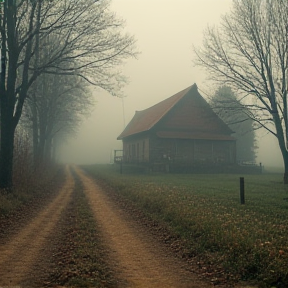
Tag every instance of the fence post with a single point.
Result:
(242, 194)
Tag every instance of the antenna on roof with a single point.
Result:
(203, 92)
(123, 110)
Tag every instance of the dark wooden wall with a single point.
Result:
(155, 150)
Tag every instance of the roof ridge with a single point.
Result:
(153, 114)
(166, 99)
(181, 95)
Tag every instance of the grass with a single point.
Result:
(81, 255)
(248, 241)
(27, 188)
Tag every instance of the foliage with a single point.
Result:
(248, 53)
(247, 241)
(28, 183)
(234, 114)
(53, 111)
(27, 187)
(84, 39)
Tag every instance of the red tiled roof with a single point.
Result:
(196, 116)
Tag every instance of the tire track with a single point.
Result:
(140, 261)
(19, 253)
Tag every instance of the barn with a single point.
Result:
(181, 132)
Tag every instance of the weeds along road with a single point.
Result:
(135, 258)
(20, 252)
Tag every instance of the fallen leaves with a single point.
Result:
(80, 257)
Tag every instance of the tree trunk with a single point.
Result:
(7, 149)
(285, 177)
(281, 142)
(42, 141)
(48, 149)
(35, 130)
(7, 131)
(285, 159)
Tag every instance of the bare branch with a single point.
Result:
(249, 52)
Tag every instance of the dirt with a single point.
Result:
(20, 251)
(134, 255)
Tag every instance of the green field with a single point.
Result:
(249, 242)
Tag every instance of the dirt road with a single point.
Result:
(20, 251)
(137, 259)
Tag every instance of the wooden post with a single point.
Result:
(242, 194)
(121, 166)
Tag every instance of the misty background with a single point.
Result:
(165, 31)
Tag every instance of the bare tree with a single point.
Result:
(56, 105)
(84, 33)
(249, 52)
(226, 105)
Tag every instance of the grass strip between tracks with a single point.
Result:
(80, 259)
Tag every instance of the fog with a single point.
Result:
(166, 31)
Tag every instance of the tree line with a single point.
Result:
(51, 51)
(248, 52)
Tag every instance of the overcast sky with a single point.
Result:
(166, 31)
